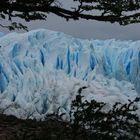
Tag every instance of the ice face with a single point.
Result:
(42, 70)
(1, 34)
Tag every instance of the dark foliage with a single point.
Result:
(119, 123)
(88, 121)
(122, 11)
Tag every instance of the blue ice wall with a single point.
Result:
(41, 50)
(3, 79)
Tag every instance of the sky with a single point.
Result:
(86, 29)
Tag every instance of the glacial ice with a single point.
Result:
(42, 70)
(1, 34)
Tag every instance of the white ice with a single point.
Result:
(42, 70)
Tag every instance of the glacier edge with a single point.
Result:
(42, 69)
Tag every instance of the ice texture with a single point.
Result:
(1, 34)
(42, 70)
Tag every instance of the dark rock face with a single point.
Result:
(3, 137)
(12, 128)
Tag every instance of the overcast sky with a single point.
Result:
(87, 29)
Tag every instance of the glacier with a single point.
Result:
(42, 70)
(1, 34)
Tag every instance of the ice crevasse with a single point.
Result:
(42, 70)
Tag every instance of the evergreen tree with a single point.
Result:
(122, 11)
